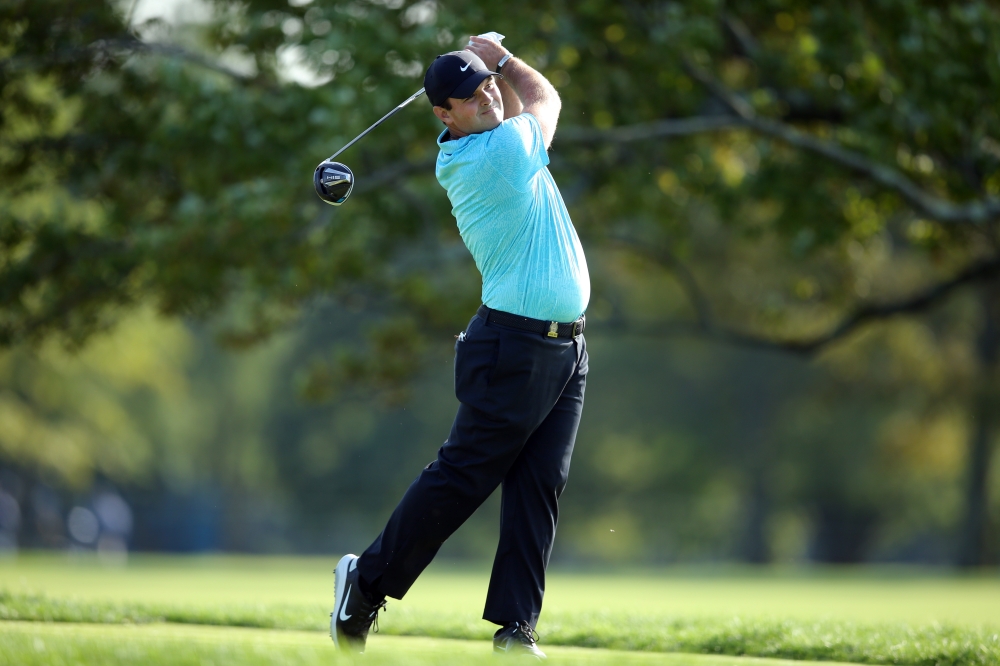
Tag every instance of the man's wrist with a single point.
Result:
(504, 60)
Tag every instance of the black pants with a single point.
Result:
(521, 395)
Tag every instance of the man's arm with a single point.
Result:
(534, 92)
(511, 102)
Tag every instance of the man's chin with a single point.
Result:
(488, 125)
(493, 119)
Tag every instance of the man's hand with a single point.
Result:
(488, 51)
(532, 91)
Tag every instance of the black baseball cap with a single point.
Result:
(456, 74)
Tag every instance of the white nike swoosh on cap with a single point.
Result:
(466, 66)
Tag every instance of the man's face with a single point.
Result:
(480, 113)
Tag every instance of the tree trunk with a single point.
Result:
(762, 392)
(973, 538)
(843, 532)
(754, 547)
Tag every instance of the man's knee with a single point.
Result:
(474, 482)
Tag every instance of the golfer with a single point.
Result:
(520, 365)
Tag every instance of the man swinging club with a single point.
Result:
(520, 365)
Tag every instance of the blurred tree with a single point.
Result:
(142, 170)
(974, 549)
(799, 168)
(847, 130)
(69, 418)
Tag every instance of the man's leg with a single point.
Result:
(507, 382)
(530, 508)
(438, 502)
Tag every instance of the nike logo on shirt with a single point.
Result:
(466, 66)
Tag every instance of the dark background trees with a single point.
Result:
(790, 210)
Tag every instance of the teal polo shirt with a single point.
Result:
(514, 221)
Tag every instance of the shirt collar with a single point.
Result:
(448, 145)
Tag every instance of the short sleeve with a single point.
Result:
(516, 150)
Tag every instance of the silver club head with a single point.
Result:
(333, 182)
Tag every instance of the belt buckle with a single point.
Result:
(578, 326)
(553, 329)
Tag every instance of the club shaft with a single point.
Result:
(379, 122)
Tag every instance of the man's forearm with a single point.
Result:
(512, 105)
(531, 88)
(536, 94)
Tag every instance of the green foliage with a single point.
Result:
(168, 166)
(195, 181)
(72, 417)
(171, 177)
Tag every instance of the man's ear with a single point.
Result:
(443, 114)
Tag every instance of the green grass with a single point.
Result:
(29, 644)
(829, 640)
(857, 595)
(885, 616)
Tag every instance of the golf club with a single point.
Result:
(334, 181)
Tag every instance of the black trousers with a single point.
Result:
(521, 396)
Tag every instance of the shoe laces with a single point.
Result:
(527, 631)
(373, 617)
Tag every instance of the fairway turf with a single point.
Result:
(30, 644)
(875, 616)
(853, 594)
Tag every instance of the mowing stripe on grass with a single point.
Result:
(45, 644)
(827, 640)
(857, 594)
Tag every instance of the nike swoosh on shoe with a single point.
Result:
(343, 607)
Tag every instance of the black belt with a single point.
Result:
(552, 329)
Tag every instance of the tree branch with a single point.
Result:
(130, 15)
(105, 47)
(741, 35)
(705, 319)
(920, 302)
(170, 51)
(654, 130)
(704, 327)
(976, 212)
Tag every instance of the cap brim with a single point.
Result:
(468, 87)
